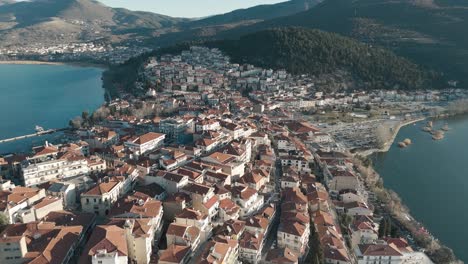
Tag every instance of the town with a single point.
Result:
(216, 162)
(94, 51)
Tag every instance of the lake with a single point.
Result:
(44, 95)
(432, 179)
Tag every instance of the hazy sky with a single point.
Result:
(187, 8)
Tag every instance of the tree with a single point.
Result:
(382, 227)
(442, 255)
(76, 122)
(3, 222)
(382, 135)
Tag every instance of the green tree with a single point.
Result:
(3, 222)
(383, 227)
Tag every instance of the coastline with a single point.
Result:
(403, 215)
(37, 62)
(390, 142)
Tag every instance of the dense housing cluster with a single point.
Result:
(213, 165)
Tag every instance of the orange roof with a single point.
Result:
(147, 138)
(103, 187)
(105, 237)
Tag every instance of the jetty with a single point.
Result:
(40, 133)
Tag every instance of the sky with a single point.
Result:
(187, 8)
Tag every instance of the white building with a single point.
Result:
(145, 143)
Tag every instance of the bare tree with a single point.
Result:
(382, 135)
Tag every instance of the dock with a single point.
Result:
(41, 133)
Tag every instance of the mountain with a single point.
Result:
(6, 2)
(215, 25)
(341, 62)
(306, 51)
(429, 32)
(51, 22)
(257, 13)
(63, 21)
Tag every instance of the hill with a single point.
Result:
(257, 13)
(306, 51)
(63, 21)
(429, 32)
(212, 26)
(51, 22)
(300, 51)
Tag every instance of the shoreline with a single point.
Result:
(58, 63)
(390, 142)
(403, 216)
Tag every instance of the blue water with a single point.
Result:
(44, 95)
(432, 179)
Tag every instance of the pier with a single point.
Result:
(41, 133)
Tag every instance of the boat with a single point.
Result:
(39, 129)
(429, 124)
(445, 127)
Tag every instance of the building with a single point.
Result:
(378, 253)
(145, 143)
(250, 247)
(106, 245)
(39, 242)
(180, 234)
(18, 198)
(174, 128)
(99, 200)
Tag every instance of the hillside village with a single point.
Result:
(216, 162)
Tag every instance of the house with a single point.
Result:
(106, 245)
(153, 190)
(282, 256)
(65, 191)
(145, 143)
(139, 206)
(139, 236)
(221, 250)
(195, 218)
(363, 231)
(169, 181)
(99, 199)
(256, 179)
(39, 242)
(206, 144)
(228, 210)
(358, 208)
(18, 198)
(203, 198)
(231, 229)
(250, 247)
(174, 128)
(48, 164)
(293, 234)
(180, 234)
(39, 209)
(175, 254)
(247, 198)
(227, 162)
(174, 204)
(343, 180)
(381, 253)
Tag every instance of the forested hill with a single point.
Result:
(301, 51)
(429, 32)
